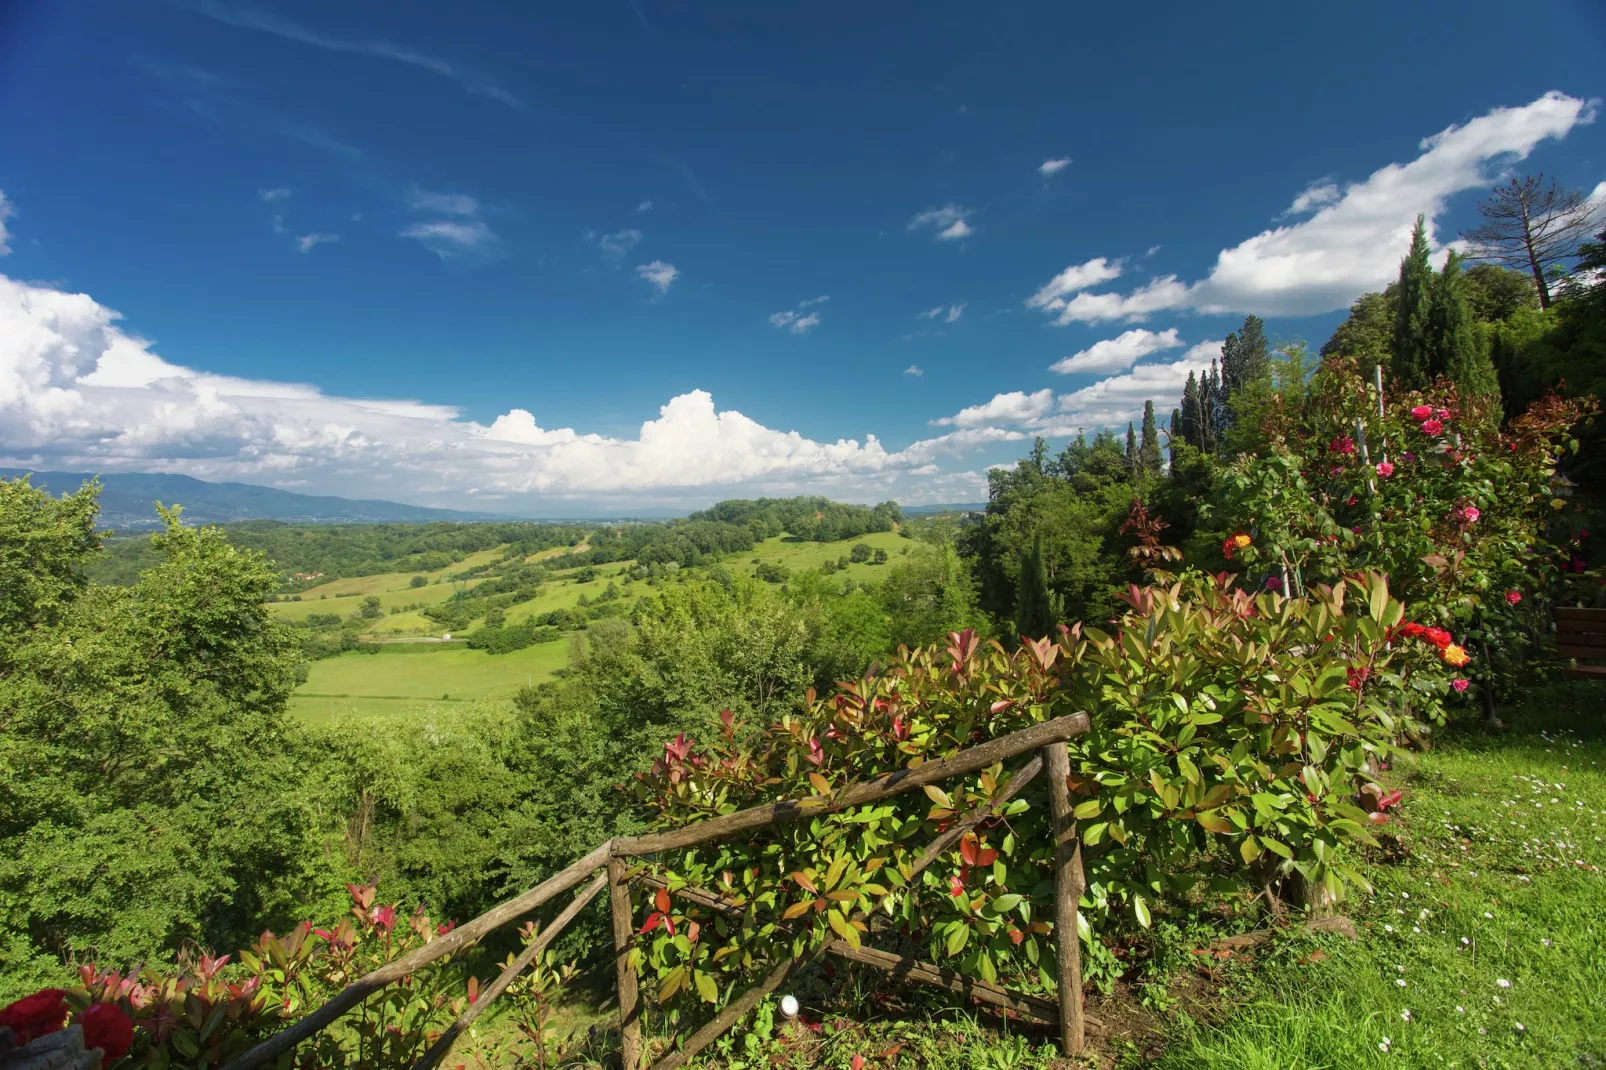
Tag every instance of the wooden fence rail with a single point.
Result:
(613, 856)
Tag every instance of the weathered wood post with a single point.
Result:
(1068, 887)
(623, 937)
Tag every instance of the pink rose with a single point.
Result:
(1470, 514)
(1460, 683)
(1385, 469)
(1443, 414)
(1513, 597)
(1422, 412)
(1432, 427)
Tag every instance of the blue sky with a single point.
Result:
(528, 257)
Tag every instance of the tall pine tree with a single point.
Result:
(1455, 346)
(1034, 604)
(1173, 434)
(1188, 415)
(1149, 449)
(1410, 350)
(1133, 464)
(1245, 357)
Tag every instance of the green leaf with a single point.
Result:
(706, 987)
(958, 937)
(1249, 849)
(1005, 903)
(1140, 910)
(1087, 809)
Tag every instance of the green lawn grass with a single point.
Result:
(397, 683)
(1484, 946)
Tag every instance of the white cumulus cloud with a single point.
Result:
(1054, 295)
(1354, 235)
(1049, 168)
(950, 222)
(915, 370)
(1118, 353)
(452, 239)
(308, 242)
(77, 392)
(660, 274)
(1015, 407)
(7, 210)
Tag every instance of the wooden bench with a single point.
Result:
(1580, 637)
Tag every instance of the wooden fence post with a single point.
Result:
(623, 937)
(1068, 886)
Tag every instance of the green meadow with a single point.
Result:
(408, 675)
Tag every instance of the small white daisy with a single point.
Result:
(1502, 982)
(1400, 981)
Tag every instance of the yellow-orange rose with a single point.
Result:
(1242, 540)
(1456, 655)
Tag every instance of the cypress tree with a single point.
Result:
(1149, 451)
(1409, 349)
(1173, 435)
(1254, 356)
(1132, 461)
(1034, 606)
(1454, 348)
(1189, 415)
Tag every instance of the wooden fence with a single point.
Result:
(609, 866)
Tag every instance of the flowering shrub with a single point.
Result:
(209, 1011)
(1458, 512)
(1223, 724)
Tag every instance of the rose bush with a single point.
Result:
(1457, 511)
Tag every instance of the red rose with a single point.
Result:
(1432, 427)
(106, 1027)
(1422, 412)
(37, 1015)
(1438, 637)
(1513, 597)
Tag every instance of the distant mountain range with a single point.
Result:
(128, 500)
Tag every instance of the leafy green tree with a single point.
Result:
(1368, 333)
(879, 558)
(418, 581)
(45, 545)
(1410, 346)
(151, 788)
(860, 553)
(1495, 294)
(1034, 604)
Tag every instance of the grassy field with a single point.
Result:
(797, 555)
(393, 683)
(390, 684)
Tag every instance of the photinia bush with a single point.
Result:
(210, 1010)
(1226, 725)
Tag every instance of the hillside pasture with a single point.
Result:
(798, 555)
(402, 681)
